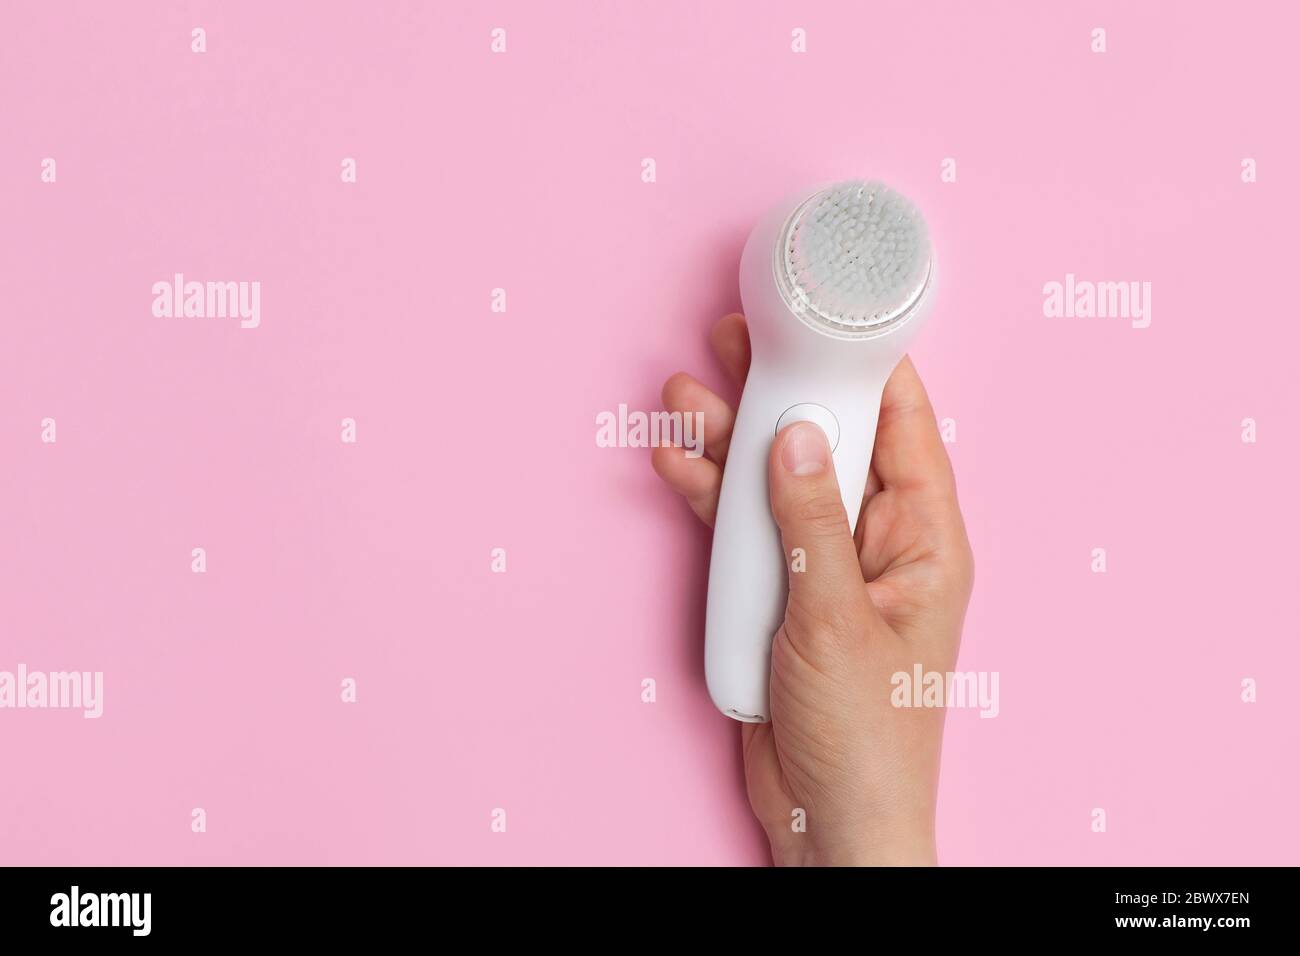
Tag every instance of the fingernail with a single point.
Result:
(805, 451)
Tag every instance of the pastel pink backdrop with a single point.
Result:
(476, 430)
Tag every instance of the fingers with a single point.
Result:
(826, 585)
(730, 338)
(686, 396)
(917, 517)
(698, 480)
(909, 453)
(695, 478)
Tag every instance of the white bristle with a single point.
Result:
(856, 255)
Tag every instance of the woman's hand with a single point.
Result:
(864, 772)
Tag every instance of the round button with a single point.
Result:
(818, 415)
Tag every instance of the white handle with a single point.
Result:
(748, 569)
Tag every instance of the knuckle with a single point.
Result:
(819, 514)
(961, 566)
(815, 614)
(674, 389)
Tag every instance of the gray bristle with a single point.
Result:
(857, 255)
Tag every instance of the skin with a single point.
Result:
(864, 772)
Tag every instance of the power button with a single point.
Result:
(818, 415)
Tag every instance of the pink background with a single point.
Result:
(476, 430)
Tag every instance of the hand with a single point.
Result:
(864, 772)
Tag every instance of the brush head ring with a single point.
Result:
(854, 259)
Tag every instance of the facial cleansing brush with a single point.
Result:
(833, 292)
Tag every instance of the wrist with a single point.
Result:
(911, 847)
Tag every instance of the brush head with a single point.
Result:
(854, 259)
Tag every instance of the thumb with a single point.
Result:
(826, 584)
